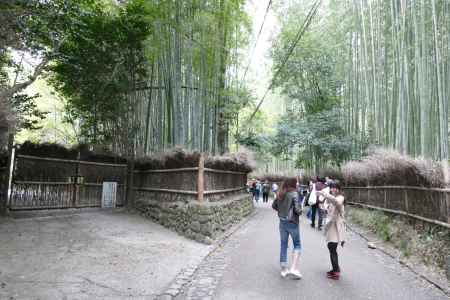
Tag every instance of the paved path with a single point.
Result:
(89, 256)
(246, 267)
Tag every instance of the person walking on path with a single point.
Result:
(265, 191)
(289, 210)
(274, 190)
(253, 189)
(258, 190)
(335, 226)
(318, 206)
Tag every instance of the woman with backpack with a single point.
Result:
(289, 210)
(334, 226)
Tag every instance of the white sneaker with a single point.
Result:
(284, 272)
(295, 274)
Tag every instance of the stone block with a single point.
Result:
(195, 226)
(204, 218)
(207, 229)
(208, 241)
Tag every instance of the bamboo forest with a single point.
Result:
(224, 149)
(137, 77)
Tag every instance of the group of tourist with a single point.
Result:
(260, 188)
(325, 198)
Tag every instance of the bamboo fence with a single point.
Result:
(430, 205)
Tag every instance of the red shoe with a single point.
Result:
(333, 275)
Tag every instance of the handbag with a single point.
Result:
(293, 215)
(313, 196)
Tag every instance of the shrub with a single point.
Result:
(429, 243)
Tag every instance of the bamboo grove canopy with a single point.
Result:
(141, 76)
(366, 73)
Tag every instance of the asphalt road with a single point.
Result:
(252, 270)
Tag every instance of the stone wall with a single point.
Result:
(203, 221)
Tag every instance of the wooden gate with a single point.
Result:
(48, 183)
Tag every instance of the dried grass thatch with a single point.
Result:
(241, 161)
(182, 158)
(170, 159)
(3, 158)
(52, 150)
(389, 167)
(272, 177)
(332, 173)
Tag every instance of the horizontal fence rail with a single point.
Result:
(234, 175)
(49, 183)
(194, 181)
(145, 189)
(431, 205)
(168, 170)
(83, 162)
(26, 195)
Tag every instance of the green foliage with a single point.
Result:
(32, 32)
(429, 243)
(317, 136)
(25, 106)
(376, 221)
(101, 60)
(311, 129)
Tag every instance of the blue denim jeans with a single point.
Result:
(288, 228)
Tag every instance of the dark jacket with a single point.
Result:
(290, 202)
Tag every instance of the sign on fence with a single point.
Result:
(109, 194)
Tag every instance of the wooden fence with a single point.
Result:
(48, 183)
(427, 204)
(200, 183)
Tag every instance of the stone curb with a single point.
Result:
(185, 276)
(445, 290)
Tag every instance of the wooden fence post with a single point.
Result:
(201, 178)
(406, 201)
(129, 185)
(447, 201)
(76, 187)
(4, 203)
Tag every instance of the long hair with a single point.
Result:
(288, 185)
(337, 185)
